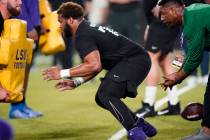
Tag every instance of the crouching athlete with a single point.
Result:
(100, 48)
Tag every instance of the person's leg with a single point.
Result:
(98, 101)
(206, 116)
(154, 46)
(21, 109)
(173, 101)
(152, 81)
(108, 97)
(167, 68)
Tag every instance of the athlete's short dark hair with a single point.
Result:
(71, 9)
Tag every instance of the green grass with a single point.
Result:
(74, 115)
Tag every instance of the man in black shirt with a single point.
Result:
(103, 48)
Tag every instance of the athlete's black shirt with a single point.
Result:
(112, 46)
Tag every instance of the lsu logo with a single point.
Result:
(20, 58)
(21, 54)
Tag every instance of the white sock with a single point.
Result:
(150, 95)
(172, 96)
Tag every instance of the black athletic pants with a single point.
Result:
(108, 97)
(120, 82)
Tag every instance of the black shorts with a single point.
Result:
(128, 73)
(162, 38)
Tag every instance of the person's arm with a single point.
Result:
(91, 65)
(30, 13)
(195, 45)
(70, 84)
(173, 79)
(32, 8)
(33, 12)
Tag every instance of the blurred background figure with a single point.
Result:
(96, 11)
(30, 13)
(204, 67)
(127, 17)
(6, 131)
(160, 40)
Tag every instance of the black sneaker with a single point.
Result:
(146, 111)
(170, 110)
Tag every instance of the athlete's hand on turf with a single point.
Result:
(65, 85)
(52, 73)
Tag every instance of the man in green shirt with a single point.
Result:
(196, 30)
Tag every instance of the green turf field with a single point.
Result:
(74, 115)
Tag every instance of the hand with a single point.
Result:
(52, 73)
(33, 35)
(174, 78)
(170, 81)
(65, 85)
(3, 93)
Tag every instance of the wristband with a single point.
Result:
(65, 73)
(78, 81)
